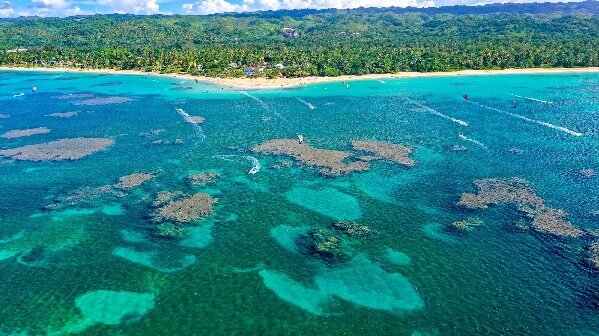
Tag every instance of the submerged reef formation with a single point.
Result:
(74, 96)
(102, 101)
(594, 254)
(90, 194)
(282, 164)
(131, 181)
(553, 221)
(325, 244)
(63, 149)
(62, 115)
(587, 173)
(202, 179)
(86, 194)
(335, 162)
(168, 142)
(4, 116)
(467, 224)
(351, 228)
(195, 120)
(152, 133)
(385, 151)
(456, 148)
(20, 133)
(164, 197)
(518, 192)
(330, 162)
(186, 210)
(493, 191)
(169, 231)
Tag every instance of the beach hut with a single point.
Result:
(250, 71)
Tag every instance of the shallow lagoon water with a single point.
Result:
(60, 268)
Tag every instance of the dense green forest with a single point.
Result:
(330, 42)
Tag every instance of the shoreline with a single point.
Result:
(264, 83)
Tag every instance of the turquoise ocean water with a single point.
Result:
(97, 269)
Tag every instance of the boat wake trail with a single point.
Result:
(189, 119)
(310, 106)
(534, 99)
(255, 163)
(265, 106)
(465, 138)
(437, 113)
(257, 100)
(538, 122)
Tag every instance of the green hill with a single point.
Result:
(331, 42)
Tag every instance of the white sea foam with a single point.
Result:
(310, 106)
(465, 138)
(538, 122)
(188, 119)
(256, 166)
(534, 99)
(18, 95)
(437, 113)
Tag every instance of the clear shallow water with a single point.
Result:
(96, 269)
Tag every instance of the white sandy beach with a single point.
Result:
(258, 82)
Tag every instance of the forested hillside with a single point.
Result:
(329, 42)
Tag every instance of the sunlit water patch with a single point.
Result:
(84, 252)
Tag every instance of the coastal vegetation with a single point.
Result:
(327, 43)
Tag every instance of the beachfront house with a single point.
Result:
(250, 71)
(279, 66)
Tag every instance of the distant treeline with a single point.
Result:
(332, 42)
